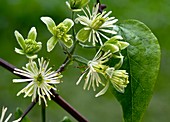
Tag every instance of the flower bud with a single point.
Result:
(76, 5)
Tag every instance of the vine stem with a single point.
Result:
(55, 97)
(43, 110)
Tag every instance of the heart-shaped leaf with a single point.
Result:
(142, 60)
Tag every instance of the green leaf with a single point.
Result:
(142, 60)
(18, 114)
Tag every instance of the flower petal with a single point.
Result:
(68, 43)
(20, 39)
(32, 34)
(103, 91)
(68, 23)
(113, 48)
(19, 51)
(123, 45)
(84, 2)
(51, 43)
(83, 35)
(49, 23)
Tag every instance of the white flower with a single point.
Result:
(118, 78)
(95, 67)
(41, 79)
(4, 109)
(96, 24)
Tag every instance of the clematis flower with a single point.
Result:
(29, 46)
(96, 24)
(59, 32)
(76, 5)
(40, 78)
(4, 109)
(118, 78)
(95, 67)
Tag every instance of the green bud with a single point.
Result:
(32, 46)
(29, 46)
(76, 5)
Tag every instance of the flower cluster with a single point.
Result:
(97, 67)
(98, 29)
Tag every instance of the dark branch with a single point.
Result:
(28, 109)
(63, 66)
(6, 65)
(59, 100)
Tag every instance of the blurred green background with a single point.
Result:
(21, 15)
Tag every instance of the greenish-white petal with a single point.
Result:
(103, 91)
(20, 39)
(39, 46)
(68, 4)
(119, 88)
(110, 71)
(19, 51)
(49, 23)
(68, 23)
(68, 43)
(112, 41)
(31, 56)
(84, 2)
(32, 34)
(83, 35)
(51, 43)
(123, 45)
(110, 47)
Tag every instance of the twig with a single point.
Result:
(59, 100)
(63, 66)
(27, 110)
(6, 65)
